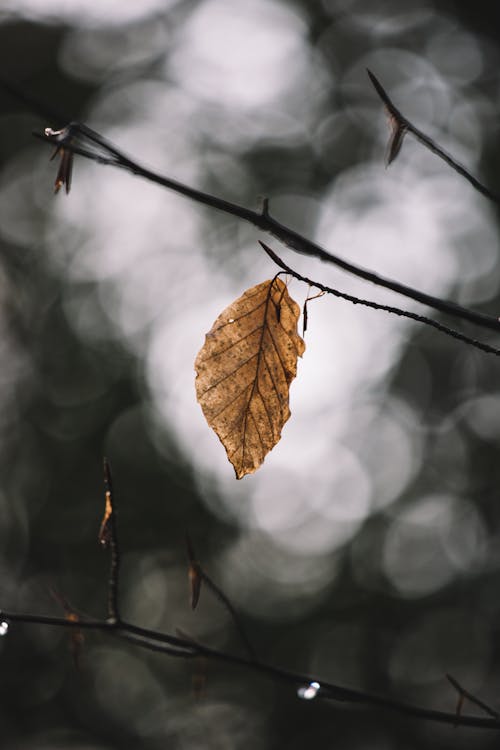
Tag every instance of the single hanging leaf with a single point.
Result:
(244, 371)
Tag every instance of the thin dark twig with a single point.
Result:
(224, 599)
(197, 575)
(329, 690)
(161, 648)
(186, 648)
(60, 622)
(111, 540)
(386, 308)
(265, 222)
(472, 698)
(425, 140)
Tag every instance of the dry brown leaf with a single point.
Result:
(244, 371)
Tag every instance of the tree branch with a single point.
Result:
(376, 306)
(175, 646)
(463, 693)
(112, 156)
(404, 125)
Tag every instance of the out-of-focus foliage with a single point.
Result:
(365, 549)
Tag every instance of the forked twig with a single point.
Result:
(112, 156)
(171, 645)
(463, 693)
(109, 154)
(185, 647)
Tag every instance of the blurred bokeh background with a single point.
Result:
(366, 549)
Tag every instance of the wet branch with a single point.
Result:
(180, 646)
(176, 646)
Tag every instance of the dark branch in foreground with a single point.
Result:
(376, 306)
(104, 152)
(180, 647)
(184, 647)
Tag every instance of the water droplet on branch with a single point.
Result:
(308, 692)
(4, 628)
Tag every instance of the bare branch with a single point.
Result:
(102, 151)
(463, 693)
(265, 222)
(187, 648)
(405, 126)
(376, 306)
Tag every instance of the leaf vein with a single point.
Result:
(229, 374)
(233, 344)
